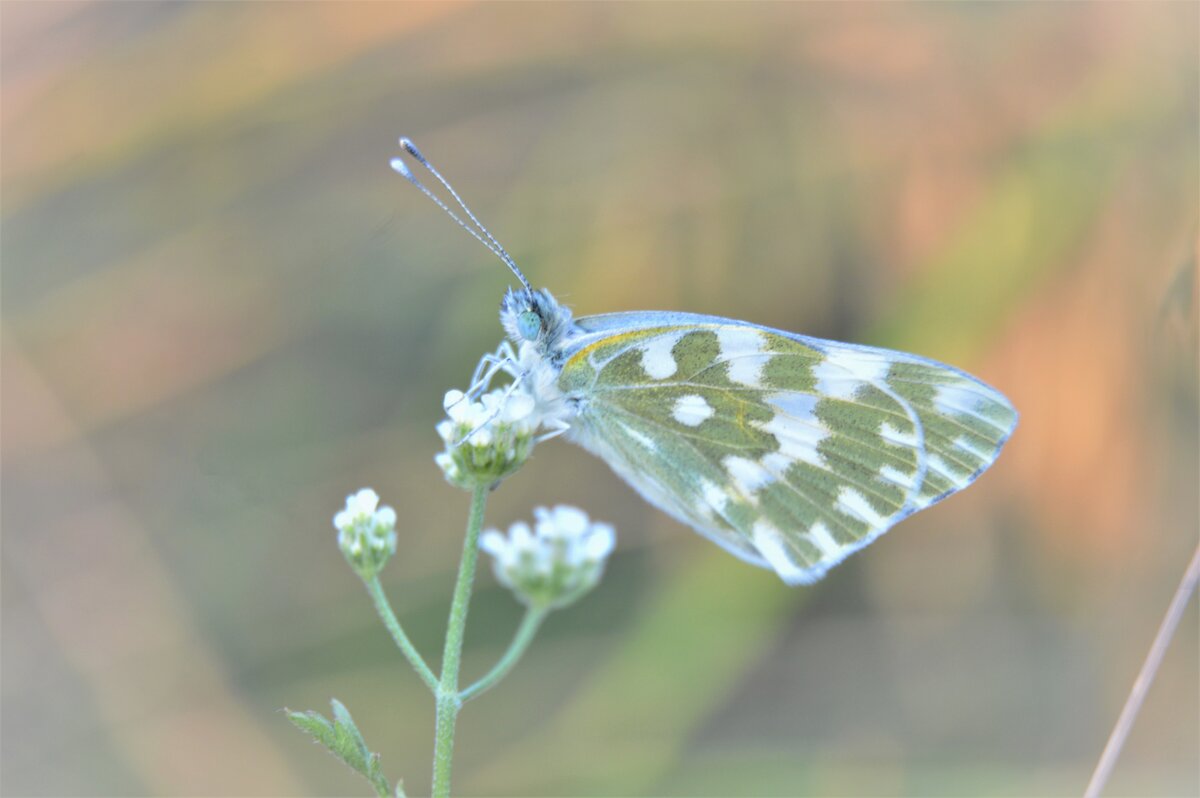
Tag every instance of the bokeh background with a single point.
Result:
(222, 312)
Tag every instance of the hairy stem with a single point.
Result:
(384, 608)
(448, 700)
(524, 636)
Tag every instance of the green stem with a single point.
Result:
(448, 701)
(524, 636)
(384, 608)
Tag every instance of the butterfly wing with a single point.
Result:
(790, 451)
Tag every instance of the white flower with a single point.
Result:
(555, 563)
(488, 439)
(366, 532)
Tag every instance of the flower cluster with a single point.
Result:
(554, 564)
(488, 439)
(366, 532)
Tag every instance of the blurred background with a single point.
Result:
(222, 312)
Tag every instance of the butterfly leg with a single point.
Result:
(508, 391)
(557, 427)
(503, 359)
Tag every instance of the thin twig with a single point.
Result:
(1145, 678)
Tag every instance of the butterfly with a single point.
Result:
(789, 451)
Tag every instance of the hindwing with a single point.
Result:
(790, 451)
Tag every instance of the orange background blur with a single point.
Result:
(222, 312)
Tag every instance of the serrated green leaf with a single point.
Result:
(343, 739)
(352, 738)
(315, 724)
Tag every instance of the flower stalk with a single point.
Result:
(516, 649)
(449, 702)
(384, 608)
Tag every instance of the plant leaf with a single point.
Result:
(343, 739)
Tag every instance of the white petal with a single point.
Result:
(494, 543)
(364, 502)
(520, 535)
(569, 521)
(601, 542)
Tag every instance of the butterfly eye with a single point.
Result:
(529, 324)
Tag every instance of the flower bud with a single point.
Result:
(366, 532)
(554, 564)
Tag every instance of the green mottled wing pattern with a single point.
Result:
(792, 452)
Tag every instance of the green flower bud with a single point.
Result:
(488, 439)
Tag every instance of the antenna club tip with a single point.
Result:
(400, 166)
(407, 145)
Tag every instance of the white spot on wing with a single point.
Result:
(777, 463)
(769, 542)
(897, 477)
(893, 435)
(824, 541)
(951, 399)
(692, 410)
(841, 374)
(657, 359)
(967, 445)
(796, 429)
(742, 348)
(855, 504)
(748, 475)
(795, 403)
(714, 497)
(956, 477)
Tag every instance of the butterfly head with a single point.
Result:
(534, 317)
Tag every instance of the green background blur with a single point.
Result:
(222, 312)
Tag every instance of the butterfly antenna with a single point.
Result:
(486, 239)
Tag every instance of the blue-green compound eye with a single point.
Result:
(529, 324)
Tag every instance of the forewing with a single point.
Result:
(790, 451)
